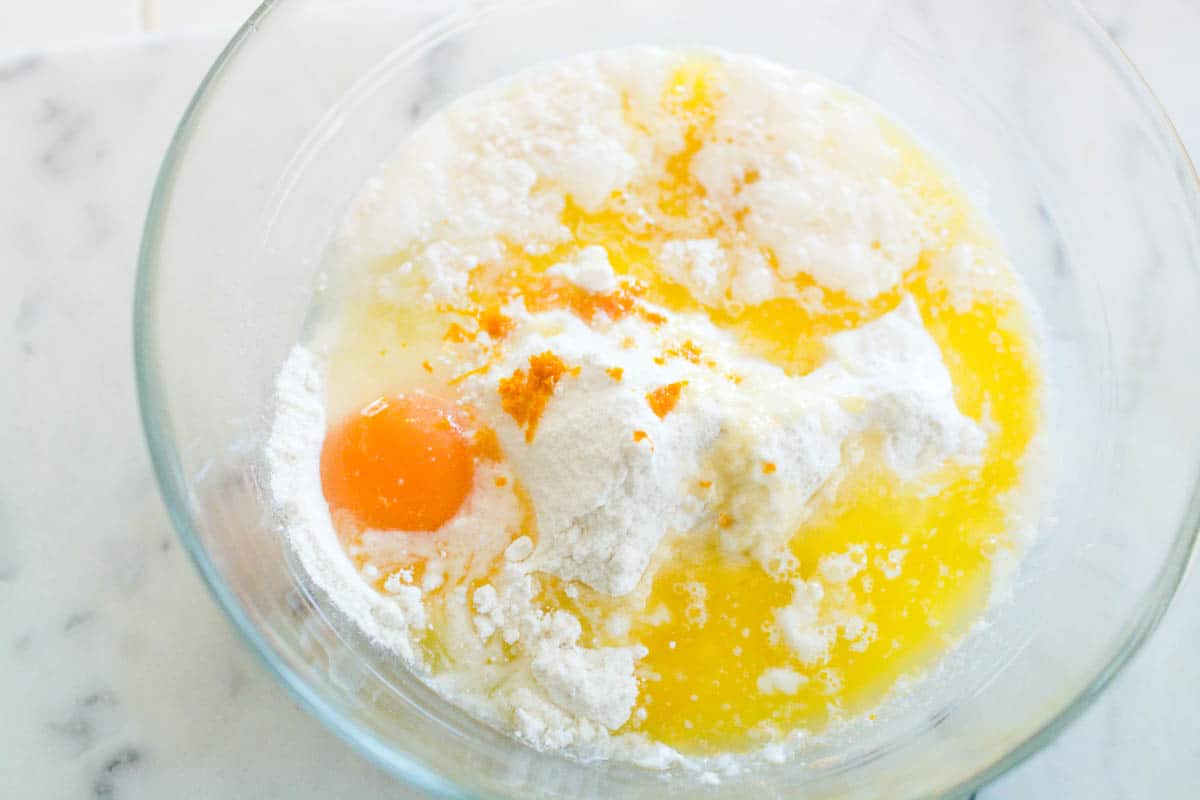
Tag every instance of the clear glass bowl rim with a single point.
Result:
(172, 484)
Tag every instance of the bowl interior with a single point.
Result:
(1027, 103)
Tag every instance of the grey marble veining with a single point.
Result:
(122, 679)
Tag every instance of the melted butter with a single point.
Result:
(699, 683)
(708, 620)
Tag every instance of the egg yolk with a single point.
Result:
(400, 463)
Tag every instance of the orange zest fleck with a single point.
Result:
(705, 484)
(495, 324)
(556, 293)
(688, 351)
(663, 399)
(639, 435)
(486, 445)
(724, 520)
(501, 480)
(616, 373)
(457, 379)
(427, 366)
(490, 320)
(457, 333)
(768, 467)
(524, 394)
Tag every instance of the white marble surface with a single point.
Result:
(42, 23)
(121, 677)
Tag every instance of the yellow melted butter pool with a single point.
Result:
(708, 620)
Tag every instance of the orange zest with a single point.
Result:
(495, 324)
(524, 394)
(457, 333)
(486, 445)
(556, 293)
(688, 351)
(663, 399)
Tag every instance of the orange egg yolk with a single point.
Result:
(401, 463)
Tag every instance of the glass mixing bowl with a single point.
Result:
(1028, 102)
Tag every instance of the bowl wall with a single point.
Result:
(1027, 103)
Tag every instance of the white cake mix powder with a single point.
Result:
(610, 481)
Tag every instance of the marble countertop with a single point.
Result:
(122, 679)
